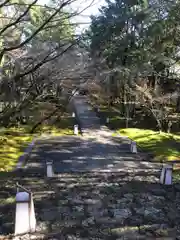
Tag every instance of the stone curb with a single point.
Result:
(23, 158)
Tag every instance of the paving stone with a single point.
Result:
(42, 226)
(100, 191)
(121, 214)
(125, 231)
(88, 221)
(177, 187)
(93, 202)
(72, 237)
(49, 215)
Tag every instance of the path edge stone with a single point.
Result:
(24, 157)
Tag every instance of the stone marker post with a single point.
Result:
(25, 220)
(107, 120)
(166, 175)
(133, 147)
(75, 129)
(50, 172)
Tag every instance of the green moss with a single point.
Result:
(176, 174)
(163, 145)
(54, 131)
(14, 140)
(8, 200)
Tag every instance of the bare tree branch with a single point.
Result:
(46, 59)
(4, 3)
(27, 40)
(25, 4)
(18, 19)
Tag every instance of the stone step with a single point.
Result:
(100, 189)
(104, 205)
(73, 213)
(56, 235)
(102, 164)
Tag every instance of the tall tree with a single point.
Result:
(32, 38)
(137, 39)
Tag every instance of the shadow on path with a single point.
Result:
(71, 154)
(97, 205)
(100, 190)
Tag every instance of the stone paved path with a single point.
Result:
(101, 190)
(87, 118)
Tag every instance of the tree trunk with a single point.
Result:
(126, 108)
(42, 120)
(127, 116)
(160, 127)
(169, 127)
(164, 125)
(178, 105)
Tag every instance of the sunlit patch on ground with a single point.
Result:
(15, 140)
(163, 145)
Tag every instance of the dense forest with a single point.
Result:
(130, 49)
(38, 50)
(134, 45)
